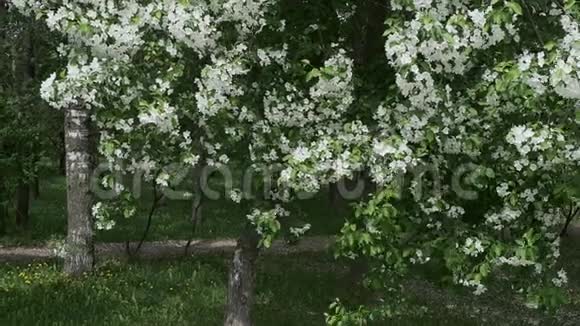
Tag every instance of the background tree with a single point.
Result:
(28, 126)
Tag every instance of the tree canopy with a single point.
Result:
(463, 114)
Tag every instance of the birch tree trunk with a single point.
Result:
(242, 279)
(79, 256)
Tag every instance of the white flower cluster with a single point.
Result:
(527, 140)
(78, 87)
(561, 279)
(217, 86)
(462, 32)
(102, 220)
(500, 219)
(473, 247)
(300, 231)
(268, 56)
(325, 160)
(479, 288)
(419, 258)
(267, 223)
(236, 195)
(565, 77)
(514, 261)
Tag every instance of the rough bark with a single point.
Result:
(79, 256)
(35, 188)
(241, 283)
(22, 204)
(62, 156)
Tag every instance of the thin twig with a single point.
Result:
(536, 30)
(571, 215)
(156, 199)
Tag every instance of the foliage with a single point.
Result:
(481, 94)
(29, 130)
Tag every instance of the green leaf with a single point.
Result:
(515, 7)
(314, 73)
(85, 28)
(550, 45)
(490, 173)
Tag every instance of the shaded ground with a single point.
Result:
(167, 249)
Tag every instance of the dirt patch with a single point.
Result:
(168, 249)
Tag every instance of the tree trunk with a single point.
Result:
(22, 204)
(3, 215)
(35, 189)
(368, 42)
(368, 45)
(79, 256)
(334, 196)
(62, 156)
(241, 284)
(3, 201)
(197, 202)
(571, 216)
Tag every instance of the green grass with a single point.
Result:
(187, 292)
(221, 218)
(290, 291)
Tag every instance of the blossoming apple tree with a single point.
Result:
(490, 89)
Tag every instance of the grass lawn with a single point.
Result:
(160, 293)
(290, 291)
